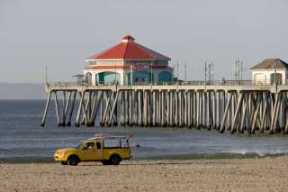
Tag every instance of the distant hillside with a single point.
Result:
(21, 91)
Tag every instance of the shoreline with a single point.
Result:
(180, 157)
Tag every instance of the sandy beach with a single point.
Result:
(256, 174)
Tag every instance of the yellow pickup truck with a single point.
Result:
(110, 150)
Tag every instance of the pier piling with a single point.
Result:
(236, 109)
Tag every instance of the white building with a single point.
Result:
(128, 63)
(270, 71)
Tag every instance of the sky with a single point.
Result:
(61, 34)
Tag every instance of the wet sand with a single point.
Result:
(255, 174)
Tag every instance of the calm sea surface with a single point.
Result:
(22, 137)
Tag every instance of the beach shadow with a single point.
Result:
(141, 164)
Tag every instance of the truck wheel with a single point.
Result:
(115, 160)
(73, 160)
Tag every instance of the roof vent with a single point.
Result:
(127, 38)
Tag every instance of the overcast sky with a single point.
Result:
(62, 33)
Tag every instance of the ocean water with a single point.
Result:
(22, 137)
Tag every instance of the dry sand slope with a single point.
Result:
(265, 174)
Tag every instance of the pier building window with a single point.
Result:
(276, 78)
(165, 76)
(108, 78)
(139, 77)
(93, 62)
(161, 62)
(260, 78)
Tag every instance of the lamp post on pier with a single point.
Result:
(151, 74)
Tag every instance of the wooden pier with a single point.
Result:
(243, 108)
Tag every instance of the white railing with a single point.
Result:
(246, 83)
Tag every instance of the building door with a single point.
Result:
(276, 78)
(101, 78)
(89, 78)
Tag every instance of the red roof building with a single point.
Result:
(128, 49)
(128, 63)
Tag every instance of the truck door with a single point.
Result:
(93, 151)
(99, 150)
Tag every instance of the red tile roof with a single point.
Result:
(130, 50)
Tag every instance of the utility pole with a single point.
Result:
(177, 70)
(210, 72)
(238, 70)
(185, 71)
(205, 72)
(241, 70)
(235, 70)
(274, 77)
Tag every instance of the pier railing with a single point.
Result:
(223, 83)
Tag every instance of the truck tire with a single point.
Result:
(115, 160)
(73, 160)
